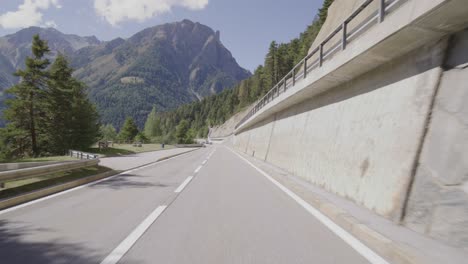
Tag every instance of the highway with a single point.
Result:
(205, 206)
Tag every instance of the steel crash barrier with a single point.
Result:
(320, 54)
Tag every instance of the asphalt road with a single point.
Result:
(206, 206)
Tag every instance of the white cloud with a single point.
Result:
(29, 13)
(50, 24)
(116, 11)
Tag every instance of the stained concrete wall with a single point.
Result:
(438, 202)
(358, 140)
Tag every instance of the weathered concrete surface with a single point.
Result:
(438, 205)
(358, 140)
(359, 125)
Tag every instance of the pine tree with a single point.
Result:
(152, 124)
(182, 131)
(323, 12)
(72, 121)
(85, 118)
(129, 130)
(26, 109)
(108, 132)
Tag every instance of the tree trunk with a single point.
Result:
(32, 128)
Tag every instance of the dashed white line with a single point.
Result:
(204, 162)
(198, 169)
(183, 185)
(362, 249)
(131, 239)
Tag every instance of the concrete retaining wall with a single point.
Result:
(438, 202)
(358, 140)
(394, 140)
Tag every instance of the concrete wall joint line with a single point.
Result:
(427, 122)
(271, 136)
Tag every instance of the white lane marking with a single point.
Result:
(183, 185)
(362, 249)
(204, 162)
(86, 185)
(131, 239)
(198, 169)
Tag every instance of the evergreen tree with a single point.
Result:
(85, 118)
(108, 132)
(26, 109)
(323, 12)
(182, 132)
(72, 121)
(152, 125)
(129, 130)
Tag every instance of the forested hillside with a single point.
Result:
(215, 110)
(167, 66)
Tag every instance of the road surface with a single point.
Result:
(206, 206)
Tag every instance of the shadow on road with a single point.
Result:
(15, 248)
(127, 181)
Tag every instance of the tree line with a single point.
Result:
(216, 109)
(48, 111)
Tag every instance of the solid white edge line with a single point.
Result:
(198, 169)
(184, 184)
(86, 185)
(357, 245)
(131, 239)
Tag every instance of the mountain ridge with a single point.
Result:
(166, 65)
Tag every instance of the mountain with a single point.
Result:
(167, 66)
(16, 47)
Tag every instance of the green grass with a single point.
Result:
(44, 159)
(127, 149)
(14, 188)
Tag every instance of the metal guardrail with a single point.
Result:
(43, 170)
(82, 155)
(303, 68)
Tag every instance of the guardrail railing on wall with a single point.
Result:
(82, 155)
(304, 67)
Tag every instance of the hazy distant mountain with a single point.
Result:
(166, 66)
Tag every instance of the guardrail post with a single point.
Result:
(305, 67)
(294, 77)
(381, 11)
(285, 84)
(321, 55)
(344, 40)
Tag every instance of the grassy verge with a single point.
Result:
(44, 159)
(14, 188)
(127, 149)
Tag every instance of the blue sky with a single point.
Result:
(247, 26)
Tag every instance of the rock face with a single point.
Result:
(166, 66)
